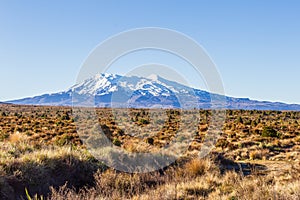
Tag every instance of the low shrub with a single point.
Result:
(270, 132)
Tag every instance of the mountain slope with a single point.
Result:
(110, 90)
(3, 103)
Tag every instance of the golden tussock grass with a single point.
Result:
(40, 150)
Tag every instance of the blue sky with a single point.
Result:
(255, 44)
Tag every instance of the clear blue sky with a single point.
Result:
(255, 44)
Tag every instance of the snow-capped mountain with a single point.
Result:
(122, 91)
(111, 90)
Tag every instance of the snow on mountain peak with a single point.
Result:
(97, 83)
(106, 83)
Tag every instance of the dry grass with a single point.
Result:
(198, 167)
(17, 137)
(40, 150)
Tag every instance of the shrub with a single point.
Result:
(150, 141)
(240, 119)
(144, 121)
(269, 132)
(117, 142)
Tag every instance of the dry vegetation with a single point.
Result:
(256, 157)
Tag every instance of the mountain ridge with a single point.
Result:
(112, 90)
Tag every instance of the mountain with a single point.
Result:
(111, 90)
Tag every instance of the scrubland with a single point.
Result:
(257, 155)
